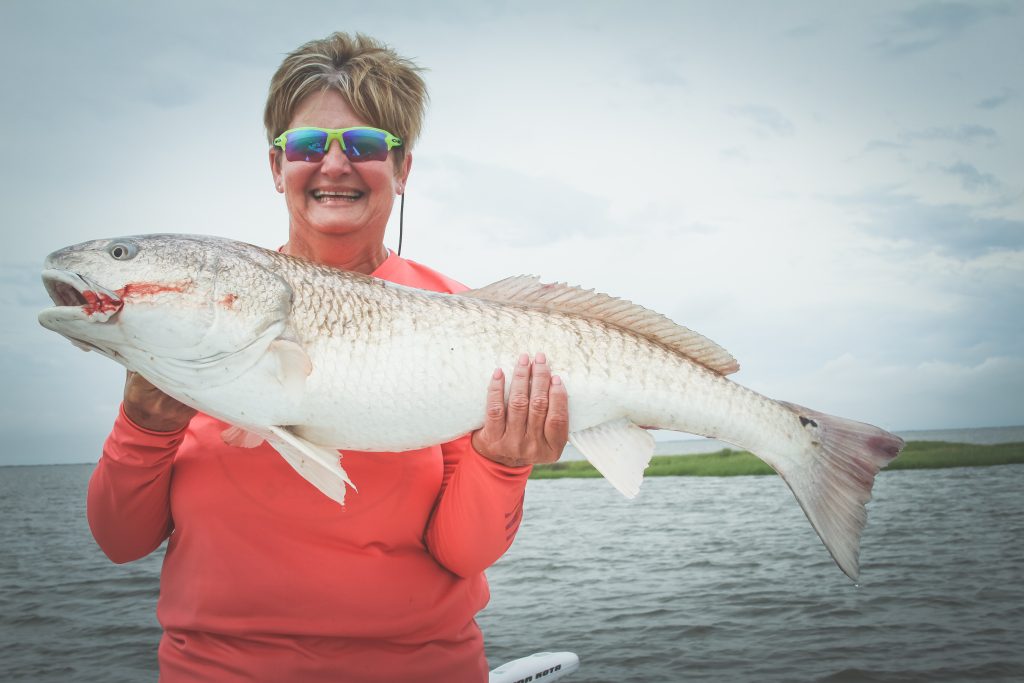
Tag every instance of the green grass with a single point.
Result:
(917, 455)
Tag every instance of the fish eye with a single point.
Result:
(122, 251)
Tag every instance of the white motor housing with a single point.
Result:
(542, 666)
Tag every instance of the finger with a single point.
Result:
(494, 420)
(540, 381)
(556, 425)
(519, 396)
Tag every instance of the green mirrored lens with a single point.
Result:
(364, 144)
(305, 145)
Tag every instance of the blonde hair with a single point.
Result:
(382, 87)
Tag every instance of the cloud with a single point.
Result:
(967, 134)
(659, 73)
(875, 145)
(971, 178)
(995, 100)
(21, 287)
(147, 58)
(925, 394)
(964, 134)
(803, 31)
(966, 229)
(734, 153)
(931, 24)
(729, 223)
(955, 308)
(507, 206)
(766, 120)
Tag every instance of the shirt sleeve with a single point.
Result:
(478, 511)
(128, 502)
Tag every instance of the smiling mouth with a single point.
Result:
(71, 290)
(333, 196)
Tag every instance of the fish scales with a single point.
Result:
(313, 359)
(408, 332)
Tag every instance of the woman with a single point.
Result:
(265, 579)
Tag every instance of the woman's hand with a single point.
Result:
(152, 409)
(534, 427)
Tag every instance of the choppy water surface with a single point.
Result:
(698, 579)
(722, 579)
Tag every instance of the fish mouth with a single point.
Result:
(70, 291)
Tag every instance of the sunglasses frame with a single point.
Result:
(392, 141)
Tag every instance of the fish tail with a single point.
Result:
(832, 478)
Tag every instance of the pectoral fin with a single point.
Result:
(293, 365)
(318, 465)
(619, 450)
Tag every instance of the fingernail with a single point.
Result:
(497, 373)
(524, 359)
(555, 379)
(540, 358)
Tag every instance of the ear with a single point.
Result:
(275, 168)
(402, 173)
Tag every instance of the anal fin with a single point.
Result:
(318, 465)
(619, 450)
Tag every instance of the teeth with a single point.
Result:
(325, 194)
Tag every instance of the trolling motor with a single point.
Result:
(542, 666)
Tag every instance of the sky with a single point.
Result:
(830, 190)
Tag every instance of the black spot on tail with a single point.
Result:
(804, 421)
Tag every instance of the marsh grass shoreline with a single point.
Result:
(918, 455)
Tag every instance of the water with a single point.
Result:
(66, 612)
(698, 579)
(719, 579)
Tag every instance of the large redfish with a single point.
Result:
(315, 359)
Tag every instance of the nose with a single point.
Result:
(335, 162)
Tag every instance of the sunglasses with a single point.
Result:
(359, 143)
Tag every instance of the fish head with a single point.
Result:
(164, 304)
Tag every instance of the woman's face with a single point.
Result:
(335, 196)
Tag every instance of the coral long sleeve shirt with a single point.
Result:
(266, 579)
